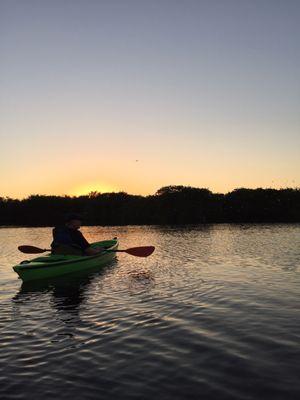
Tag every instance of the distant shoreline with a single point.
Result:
(158, 225)
(171, 205)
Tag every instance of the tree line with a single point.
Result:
(169, 205)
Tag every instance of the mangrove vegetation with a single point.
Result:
(169, 205)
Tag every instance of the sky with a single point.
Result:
(133, 95)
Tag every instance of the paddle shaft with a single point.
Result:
(110, 251)
(44, 250)
(143, 251)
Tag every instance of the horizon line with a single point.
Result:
(97, 193)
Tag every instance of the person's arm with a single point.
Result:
(85, 245)
(81, 241)
(90, 251)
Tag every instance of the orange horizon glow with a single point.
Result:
(88, 188)
(84, 190)
(198, 101)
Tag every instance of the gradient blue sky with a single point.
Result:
(202, 93)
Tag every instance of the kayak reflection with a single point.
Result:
(67, 293)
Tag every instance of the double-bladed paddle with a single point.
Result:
(143, 251)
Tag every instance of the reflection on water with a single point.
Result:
(212, 314)
(64, 295)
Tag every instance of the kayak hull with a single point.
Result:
(51, 266)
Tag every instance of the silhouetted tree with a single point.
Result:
(169, 205)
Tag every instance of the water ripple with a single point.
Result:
(212, 314)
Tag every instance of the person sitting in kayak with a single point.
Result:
(68, 240)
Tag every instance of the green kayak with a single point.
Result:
(51, 266)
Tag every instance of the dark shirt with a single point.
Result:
(70, 237)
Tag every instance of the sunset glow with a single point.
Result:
(92, 187)
(133, 96)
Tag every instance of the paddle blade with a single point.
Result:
(144, 251)
(31, 249)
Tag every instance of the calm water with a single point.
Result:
(212, 314)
